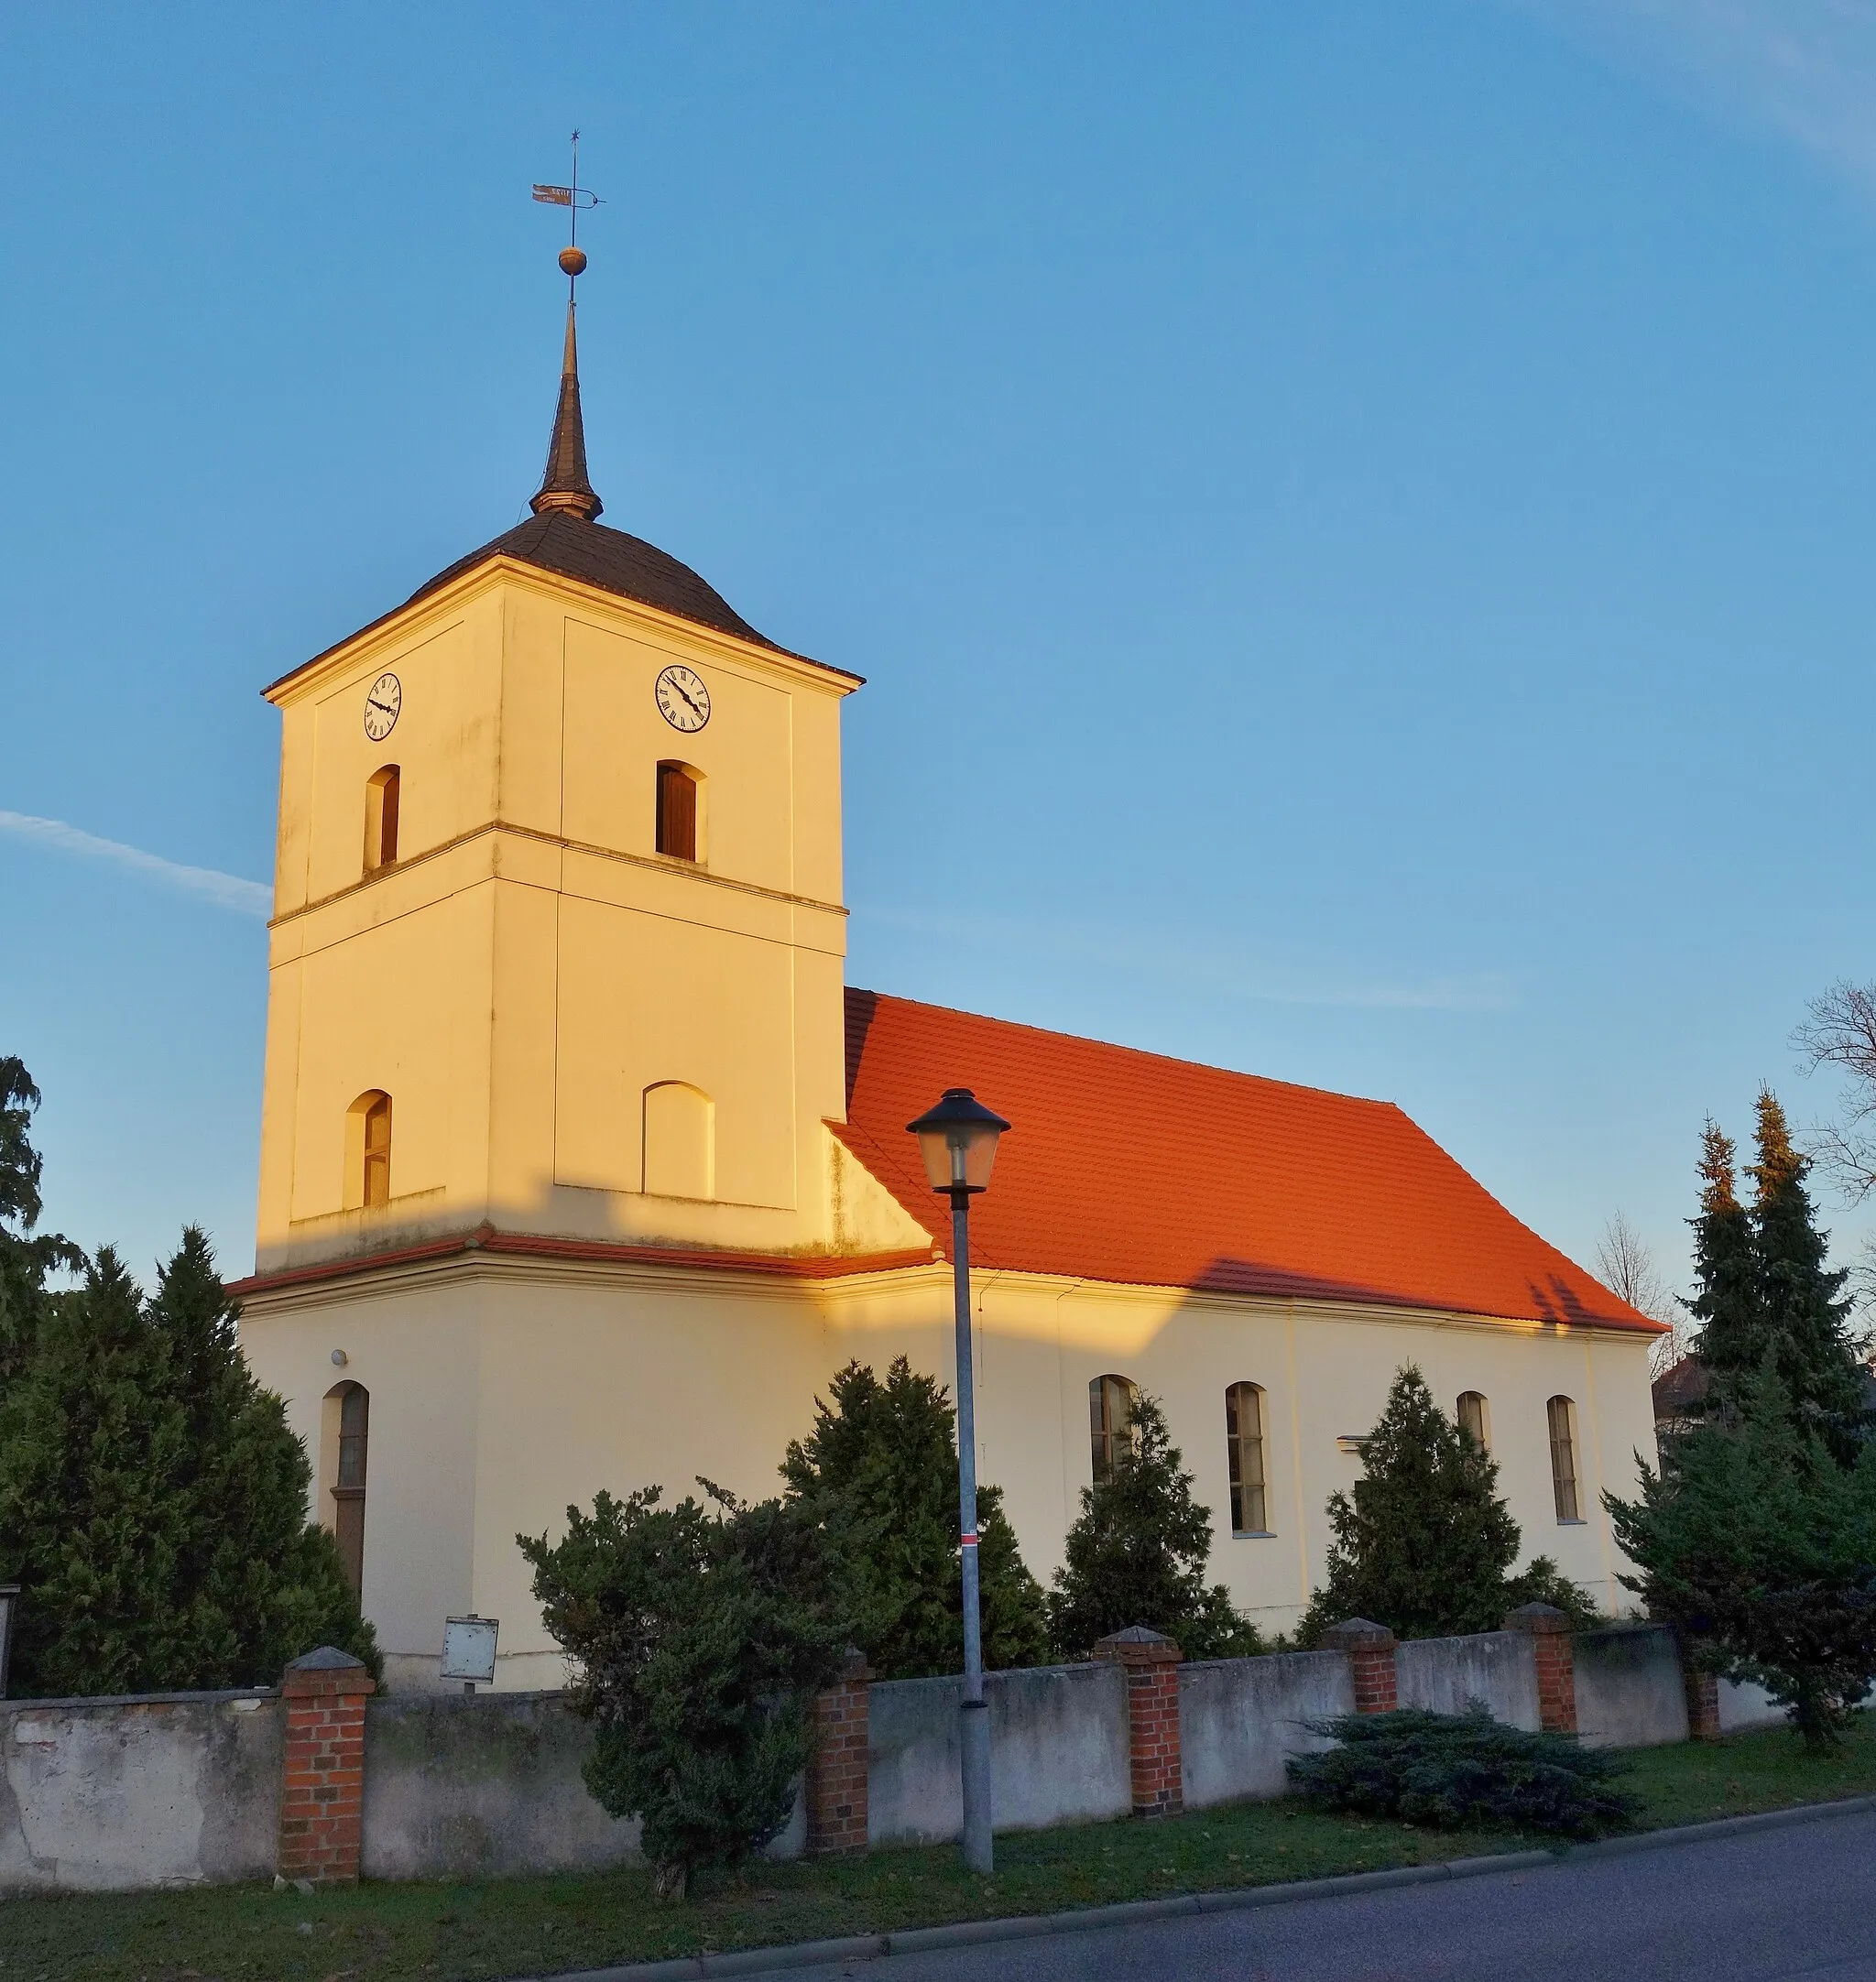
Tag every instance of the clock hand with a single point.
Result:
(371, 701)
(695, 709)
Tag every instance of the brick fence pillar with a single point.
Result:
(1370, 1648)
(1152, 1665)
(1549, 1632)
(322, 1791)
(837, 1767)
(1703, 1696)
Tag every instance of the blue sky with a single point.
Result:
(1357, 519)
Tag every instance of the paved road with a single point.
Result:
(1798, 1902)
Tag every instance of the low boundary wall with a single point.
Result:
(186, 1789)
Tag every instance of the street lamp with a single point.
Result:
(958, 1142)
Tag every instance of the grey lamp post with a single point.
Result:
(958, 1142)
(9, 1603)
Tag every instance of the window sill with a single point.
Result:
(1253, 1534)
(1575, 1521)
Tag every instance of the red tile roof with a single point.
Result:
(1221, 1182)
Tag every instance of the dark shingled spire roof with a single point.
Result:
(562, 535)
(565, 488)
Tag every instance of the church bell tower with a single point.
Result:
(558, 940)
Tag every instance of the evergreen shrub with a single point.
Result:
(699, 1637)
(877, 1474)
(153, 1498)
(1138, 1555)
(1444, 1771)
(1422, 1543)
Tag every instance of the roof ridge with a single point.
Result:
(1141, 1052)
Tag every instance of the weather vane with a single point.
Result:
(575, 198)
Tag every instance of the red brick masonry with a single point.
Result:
(1549, 1631)
(1152, 1665)
(1702, 1699)
(1370, 1648)
(837, 1768)
(322, 1789)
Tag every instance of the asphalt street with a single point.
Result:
(1794, 1901)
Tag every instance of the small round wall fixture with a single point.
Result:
(383, 700)
(682, 700)
(339, 1358)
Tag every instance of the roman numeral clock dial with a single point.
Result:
(383, 700)
(682, 700)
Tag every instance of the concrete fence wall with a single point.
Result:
(185, 1789)
(1058, 1747)
(1445, 1675)
(174, 1789)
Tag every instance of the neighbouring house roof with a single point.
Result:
(1679, 1387)
(1129, 1167)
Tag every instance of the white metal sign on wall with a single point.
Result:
(469, 1650)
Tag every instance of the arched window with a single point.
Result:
(1244, 1445)
(679, 805)
(381, 819)
(1110, 1417)
(368, 1150)
(349, 1436)
(680, 1141)
(1475, 1416)
(1563, 1457)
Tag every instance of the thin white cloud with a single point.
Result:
(226, 890)
(1805, 68)
(1263, 980)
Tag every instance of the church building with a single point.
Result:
(583, 1167)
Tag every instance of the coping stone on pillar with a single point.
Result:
(1137, 1645)
(1357, 1634)
(1539, 1619)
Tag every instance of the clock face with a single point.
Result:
(382, 702)
(682, 700)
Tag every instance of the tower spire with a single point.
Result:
(564, 489)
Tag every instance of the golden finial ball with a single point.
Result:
(573, 261)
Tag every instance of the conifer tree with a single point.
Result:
(1138, 1555)
(699, 1636)
(1764, 1288)
(1803, 1301)
(153, 1498)
(1760, 1545)
(1424, 1544)
(879, 1475)
(26, 1258)
(1726, 1298)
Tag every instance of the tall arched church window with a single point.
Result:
(680, 1141)
(368, 1150)
(381, 796)
(1563, 1457)
(1475, 1418)
(679, 805)
(347, 1489)
(1110, 1418)
(1244, 1447)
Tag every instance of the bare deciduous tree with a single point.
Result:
(1840, 1030)
(1626, 1267)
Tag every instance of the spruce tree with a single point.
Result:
(1726, 1298)
(1138, 1555)
(1424, 1544)
(1805, 1311)
(1764, 1288)
(26, 1258)
(879, 1475)
(153, 1499)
